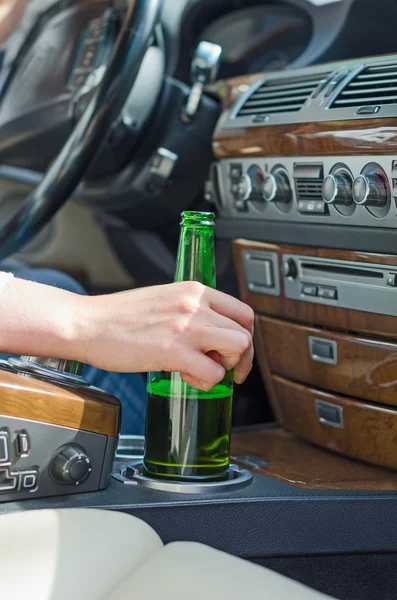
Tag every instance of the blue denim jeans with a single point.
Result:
(129, 388)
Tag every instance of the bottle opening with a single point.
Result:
(191, 217)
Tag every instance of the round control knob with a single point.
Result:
(244, 188)
(370, 190)
(276, 188)
(290, 268)
(71, 465)
(337, 189)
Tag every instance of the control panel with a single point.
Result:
(363, 286)
(360, 191)
(40, 459)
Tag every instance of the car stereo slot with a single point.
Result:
(345, 284)
(308, 268)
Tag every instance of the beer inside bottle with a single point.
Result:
(188, 430)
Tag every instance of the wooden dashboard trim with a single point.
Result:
(345, 138)
(365, 368)
(291, 460)
(342, 138)
(368, 433)
(24, 397)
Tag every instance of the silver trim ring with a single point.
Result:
(274, 192)
(367, 189)
(131, 474)
(331, 176)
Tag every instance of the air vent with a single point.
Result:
(374, 86)
(309, 189)
(281, 95)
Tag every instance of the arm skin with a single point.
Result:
(183, 327)
(11, 12)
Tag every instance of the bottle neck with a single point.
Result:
(196, 254)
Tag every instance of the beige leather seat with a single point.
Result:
(75, 554)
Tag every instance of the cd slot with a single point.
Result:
(309, 268)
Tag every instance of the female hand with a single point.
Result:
(183, 327)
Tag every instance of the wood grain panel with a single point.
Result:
(296, 462)
(89, 410)
(261, 352)
(369, 433)
(230, 90)
(343, 138)
(366, 368)
(310, 313)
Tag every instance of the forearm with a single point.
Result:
(40, 320)
(11, 12)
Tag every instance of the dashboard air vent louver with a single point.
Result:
(281, 95)
(374, 85)
(309, 189)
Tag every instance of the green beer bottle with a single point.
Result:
(188, 430)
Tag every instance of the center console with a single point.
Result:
(305, 180)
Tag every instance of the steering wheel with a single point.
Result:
(68, 168)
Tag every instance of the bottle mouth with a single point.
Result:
(191, 217)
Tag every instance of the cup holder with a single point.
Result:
(132, 448)
(132, 474)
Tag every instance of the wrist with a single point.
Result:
(38, 320)
(78, 332)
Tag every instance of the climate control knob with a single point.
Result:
(71, 465)
(276, 187)
(337, 189)
(370, 190)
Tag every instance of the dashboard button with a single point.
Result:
(392, 280)
(368, 110)
(96, 29)
(309, 290)
(236, 170)
(328, 293)
(260, 119)
(88, 56)
(78, 81)
(8, 481)
(29, 480)
(308, 171)
(241, 205)
(312, 207)
(23, 444)
(4, 448)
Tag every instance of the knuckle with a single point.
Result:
(195, 288)
(188, 305)
(245, 341)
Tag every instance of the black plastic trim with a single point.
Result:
(320, 236)
(268, 518)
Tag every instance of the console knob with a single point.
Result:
(337, 189)
(71, 465)
(276, 188)
(370, 190)
(290, 268)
